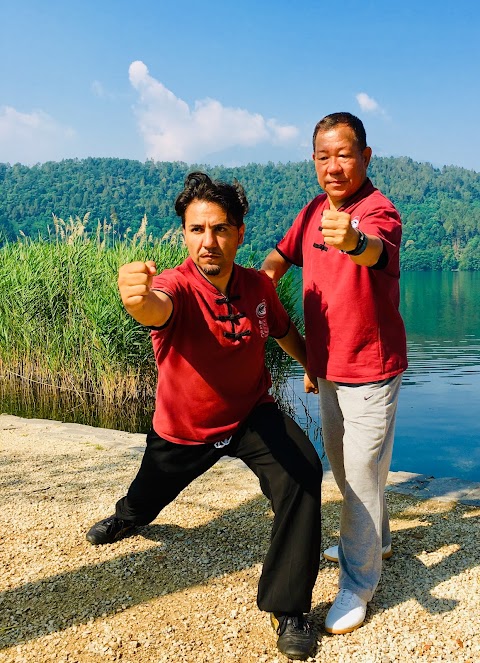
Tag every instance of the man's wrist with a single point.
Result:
(361, 245)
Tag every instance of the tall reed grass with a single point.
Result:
(62, 323)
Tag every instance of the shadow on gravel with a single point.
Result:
(181, 558)
(405, 576)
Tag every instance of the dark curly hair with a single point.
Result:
(352, 121)
(230, 197)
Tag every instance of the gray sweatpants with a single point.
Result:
(358, 423)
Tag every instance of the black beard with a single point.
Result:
(211, 270)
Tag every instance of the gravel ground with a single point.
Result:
(183, 589)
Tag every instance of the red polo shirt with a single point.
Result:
(211, 353)
(354, 331)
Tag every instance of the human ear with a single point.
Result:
(241, 234)
(367, 155)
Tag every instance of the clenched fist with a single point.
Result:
(135, 282)
(338, 231)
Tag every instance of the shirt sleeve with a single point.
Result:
(291, 246)
(168, 283)
(384, 222)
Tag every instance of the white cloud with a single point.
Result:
(172, 131)
(368, 104)
(31, 137)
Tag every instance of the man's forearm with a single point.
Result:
(294, 345)
(153, 311)
(372, 253)
(275, 266)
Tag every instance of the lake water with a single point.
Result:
(438, 421)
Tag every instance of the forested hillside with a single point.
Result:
(440, 207)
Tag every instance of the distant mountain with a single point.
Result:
(440, 207)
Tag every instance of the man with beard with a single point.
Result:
(210, 321)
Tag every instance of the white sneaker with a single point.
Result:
(332, 553)
(346, 614)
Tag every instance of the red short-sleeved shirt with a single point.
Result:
(211, 353)
(353, 327)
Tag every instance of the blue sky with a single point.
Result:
(224, 82)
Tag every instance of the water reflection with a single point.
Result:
(41, 402)
(438, 426)
(438, 429)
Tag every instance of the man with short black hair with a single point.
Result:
(210, 321)
(347, 240)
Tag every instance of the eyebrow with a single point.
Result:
(199, 224)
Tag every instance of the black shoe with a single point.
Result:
(108, 530)
(295, 637)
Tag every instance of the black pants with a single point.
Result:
(290, 472)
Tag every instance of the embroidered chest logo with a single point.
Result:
(261, 312)
(354, 223)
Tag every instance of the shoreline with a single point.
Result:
(422, 486)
